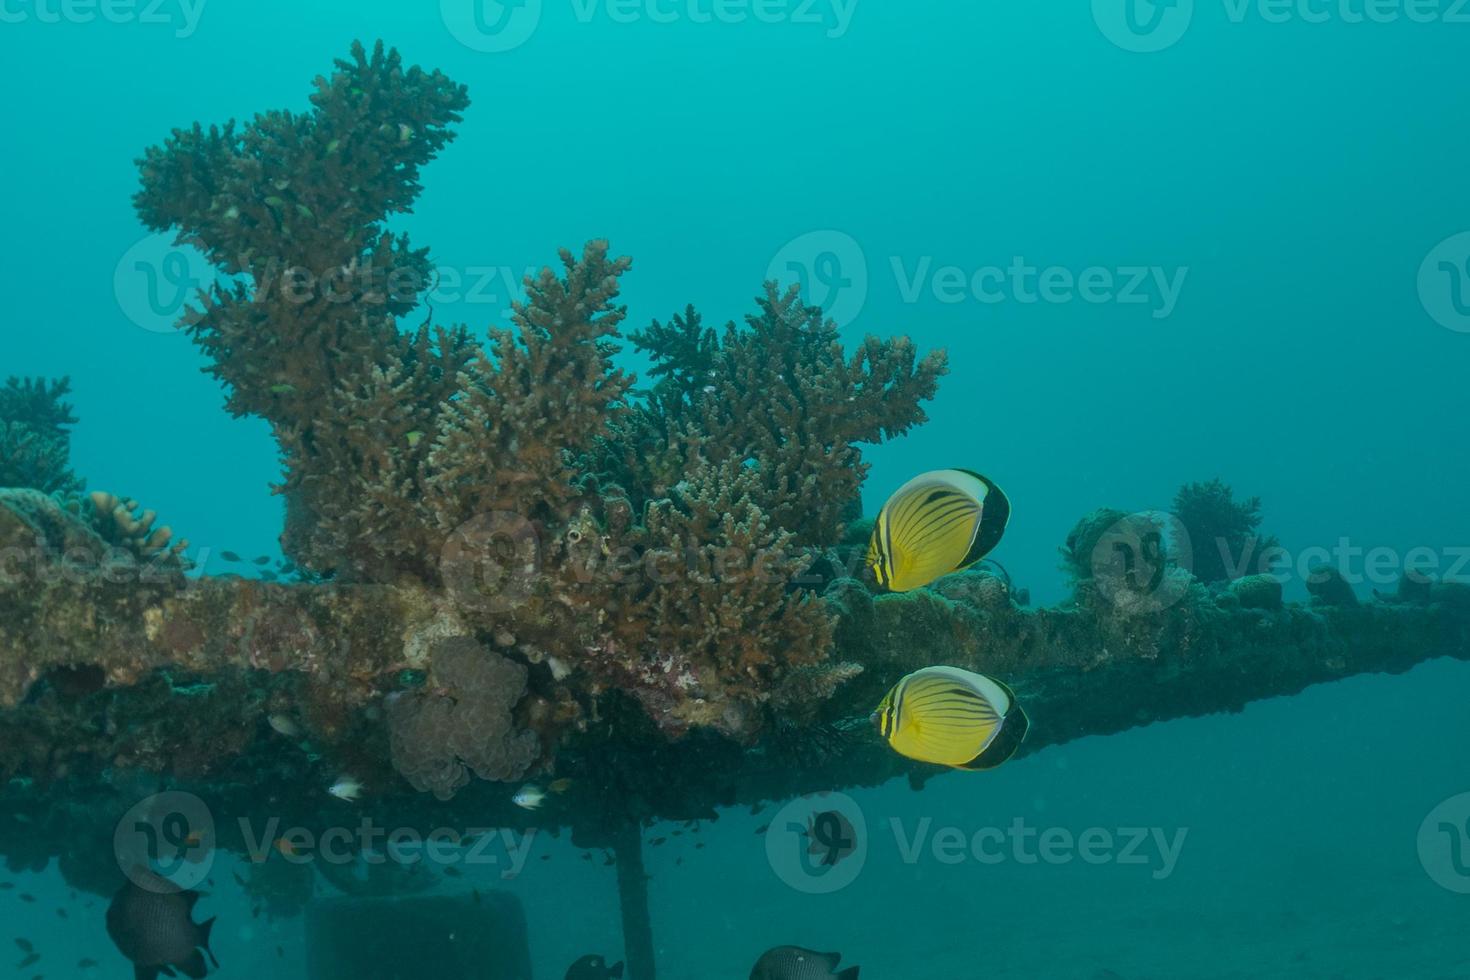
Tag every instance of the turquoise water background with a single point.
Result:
(1297, 176)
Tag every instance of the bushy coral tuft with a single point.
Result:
(35, 437)
(1223, 531)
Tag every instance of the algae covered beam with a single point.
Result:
(84, 623)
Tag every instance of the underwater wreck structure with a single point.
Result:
(511, 564)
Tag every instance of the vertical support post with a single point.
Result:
(633, 897)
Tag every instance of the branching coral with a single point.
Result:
(303, 331)
(1223, 531)
(35, 444)
(648, 545)
(463, 723)
(780, 398)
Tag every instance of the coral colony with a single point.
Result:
(513, 564)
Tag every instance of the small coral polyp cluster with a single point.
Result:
(646, 542)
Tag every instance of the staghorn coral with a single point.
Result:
(710, 614)
(539, 396)
(780, 397)
(463, 723)
(1223, 532)
(35, 441)
(658, 545)
(302, 330)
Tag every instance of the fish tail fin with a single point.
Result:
(851, 973)
(205, 928)
(145, 973)
(616, 970)
(194, 966)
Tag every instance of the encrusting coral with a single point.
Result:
(35, 441)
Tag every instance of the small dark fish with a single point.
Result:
(678, 860)
(6, 886)
(476, 893)
(28, 899)
(287, 567)
(25, 945)
(238, 879)
(607, 862)
(830, 837)
(30, 960)
(699, 846)
(268, 576)
(255, 912)
(796, 963)
(62, 913)
(658, 841)
(453, 872)
(762, 829)
(155, 928)
(546, 857)
(229, 556)
(593, 967)
(281, 952)
(263, 560)
(757, 809)
(86, 964)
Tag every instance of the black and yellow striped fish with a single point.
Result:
(952, 717)
(938, 522)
